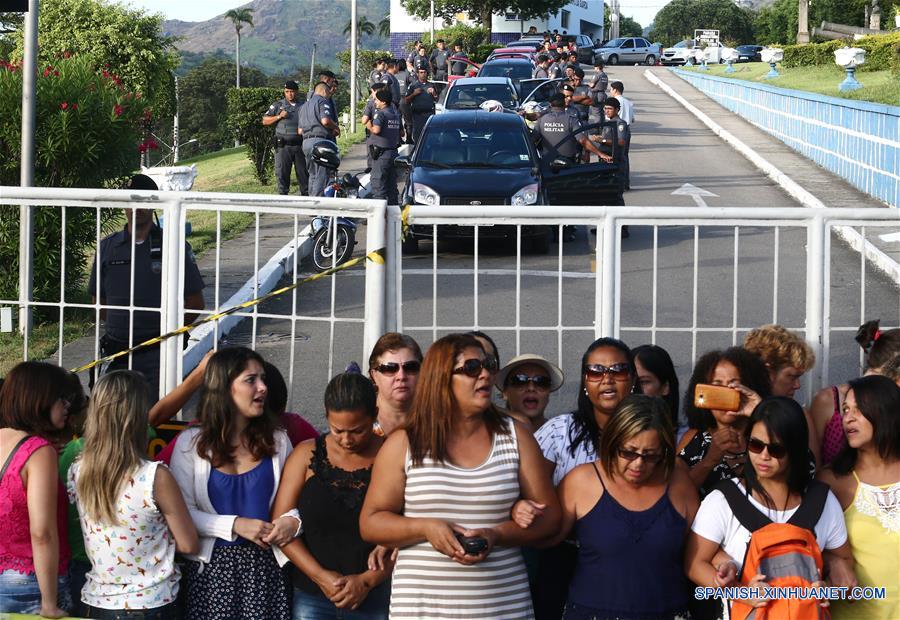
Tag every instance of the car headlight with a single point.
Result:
(424, 195)
(528, 195)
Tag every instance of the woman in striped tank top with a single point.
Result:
(455, 471)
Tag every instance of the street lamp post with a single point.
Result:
(26, 172)
(353, 66)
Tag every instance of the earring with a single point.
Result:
(585, 392)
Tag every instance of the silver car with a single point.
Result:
(627, 51)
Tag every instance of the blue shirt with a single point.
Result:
(245, 495)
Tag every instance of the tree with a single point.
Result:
(627, 26)
(245, 107)
(128, 41)
(678, 20)
(482, 11)
(203, 101)
(384, 27)
(239, 17)
(363, 26)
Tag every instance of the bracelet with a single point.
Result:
(295, 514)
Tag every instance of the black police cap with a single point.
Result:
(557, 100)
(291, 85)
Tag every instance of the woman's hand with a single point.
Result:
(726, 574)
(525, 511)
(352, 593)
(283, 530)
(253, 530)
(52, 611)
(378, 558)
(759, 582)
(724, 440)
(749, 400)
(841, 574)
(488, 533)
(442, 537)
(330, 582)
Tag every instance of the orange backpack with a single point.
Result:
(786, 553)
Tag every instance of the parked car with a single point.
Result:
(527, 43)
(522, 52)
(512, 66)
(470, 93)
(749, 53)
(679, 53)
(475, 158)
(627, 50)
(584, 45)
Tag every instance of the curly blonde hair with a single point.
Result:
(779, 348)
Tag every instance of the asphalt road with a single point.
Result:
(669, 148)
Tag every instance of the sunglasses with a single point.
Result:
(541, 382)
(776, 450)
(473, 367)
(651, 458)
(392, 368)
(619, 372)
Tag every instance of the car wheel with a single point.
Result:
(613, 60)
(650, 60)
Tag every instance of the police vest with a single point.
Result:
(553, 128)
(287, 127)
(389, 121)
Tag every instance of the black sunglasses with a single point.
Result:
(542, 382)
(619, 372)
(651, 458)
(392, 368)
(473, 367)
(776, 450)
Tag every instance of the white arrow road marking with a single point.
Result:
(697, 193)
(890, 237)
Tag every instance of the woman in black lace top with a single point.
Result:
(326, 479)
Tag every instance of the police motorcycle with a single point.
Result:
(334, 237)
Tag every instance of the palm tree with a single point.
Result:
(363, 26)
(384, 26)
(239, 17)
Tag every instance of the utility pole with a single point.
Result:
(26, 174)
(803, 22)
(432, 22)
(175, 126)
(312, 67)
(353, 98)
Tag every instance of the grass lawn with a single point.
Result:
(44, 340)
(878, 86)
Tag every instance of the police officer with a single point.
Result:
(621, 137)
(318, 122)
(438, 61)
(121, 331)
(555, 71)
(541, 71)
(389, 77)
(330, 79)
(598, 86)
(369, 113)
(288, 141)
(384, 137)
(411, 58)
(458, 67)
(552, 129)
(377, 71)
(421, 96)
(421, 61)
(581, 96)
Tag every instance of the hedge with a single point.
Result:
(882, 53)
(246, 107)
(484, 50)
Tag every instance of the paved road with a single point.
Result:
(669, 148)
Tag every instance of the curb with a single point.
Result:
(202, 340)
(879, 259)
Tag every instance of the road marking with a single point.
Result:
(577, 275)
(891, 237)
(697, 193)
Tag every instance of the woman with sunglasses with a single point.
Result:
(573, 439)
(714, 448)
(776, 481)
(394, 369)
(631, 517)
(442, 489)
(526, 383)
(865, 476)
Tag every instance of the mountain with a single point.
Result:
(283, 32)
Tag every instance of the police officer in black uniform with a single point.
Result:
(581, 96)
(598, 85)
(382, 143)
(421, 96)
(551, 130)
(438, 62)
(420, 61)
(318, 121)
(618, 141)
(288, 141)
(121, 331)
(458, 67)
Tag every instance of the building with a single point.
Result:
(577, 17)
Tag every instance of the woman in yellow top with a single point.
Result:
(865, 477)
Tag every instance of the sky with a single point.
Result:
(641, 11)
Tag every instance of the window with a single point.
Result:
(564, 19)
(628, 44)
(512, 17)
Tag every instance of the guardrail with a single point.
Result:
(857, 140)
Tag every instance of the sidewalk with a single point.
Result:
(824, 185)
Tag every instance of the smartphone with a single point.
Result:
(472, 545)
(716, 397)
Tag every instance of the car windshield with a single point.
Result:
(514, 71)
(474, 147)
(613, 43)
(473, 95)
(684, 44)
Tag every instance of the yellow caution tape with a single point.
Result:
(404, 222)
(376, 257)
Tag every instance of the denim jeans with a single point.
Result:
(166, 612)
(20, 593)
(316, 607)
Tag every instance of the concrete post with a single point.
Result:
(803, 22)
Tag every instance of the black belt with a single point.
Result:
(290, 140)
(326, 136)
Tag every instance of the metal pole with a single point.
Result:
(353, 94)
(237, 142)
(432, 22)
(312, 67)
(26, 174)
(815, 296)
(376, 239)
(175, 153)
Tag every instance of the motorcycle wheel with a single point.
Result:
(323, 254)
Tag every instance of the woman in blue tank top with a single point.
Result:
(631, 513)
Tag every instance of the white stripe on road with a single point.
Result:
(577, 275)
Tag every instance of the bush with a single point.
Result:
(882, 53)
(246, 107)
(810, 55)
(471, 37)
(365, 60)
(484, 50)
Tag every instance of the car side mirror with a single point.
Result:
(558, 164)
(402, 162)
